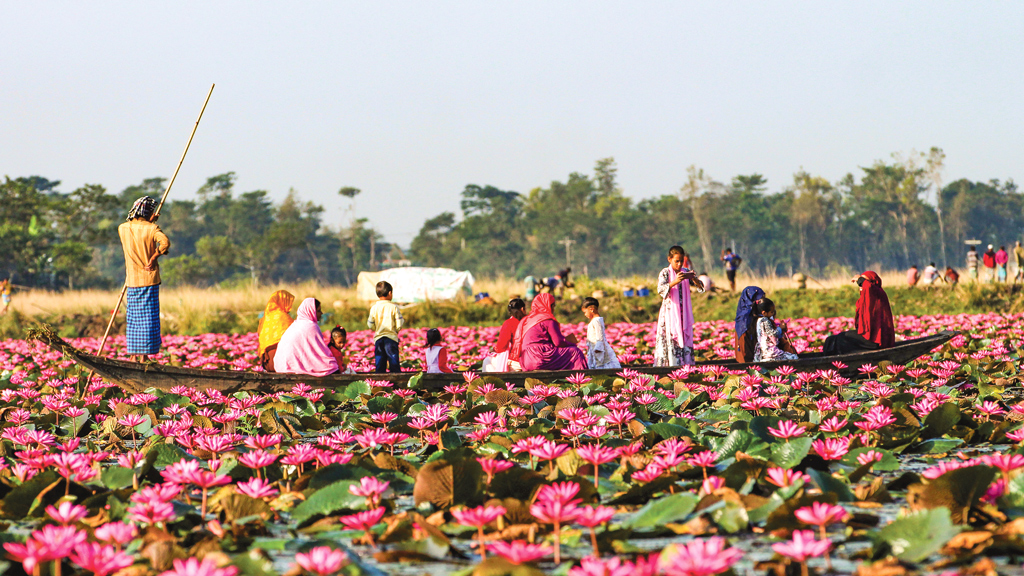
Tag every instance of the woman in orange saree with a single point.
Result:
(275, 321)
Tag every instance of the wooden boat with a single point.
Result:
(136, 376)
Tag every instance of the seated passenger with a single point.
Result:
(273, 325)
(768, 334)
(302, 349)
(875, 328)
(498, 362)
(539, 344)
(436, 356)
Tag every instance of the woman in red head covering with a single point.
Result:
(875, 329)
(539, 344)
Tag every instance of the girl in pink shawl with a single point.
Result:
(673, 345)
(302, 349)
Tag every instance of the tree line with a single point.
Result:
(891, 214)
(69, 240)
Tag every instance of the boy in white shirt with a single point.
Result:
(599, 353)
(386, 320)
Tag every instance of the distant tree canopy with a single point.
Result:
(886, 215)
(70, 240)
(878, 217)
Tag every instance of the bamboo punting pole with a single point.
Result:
(124, 289)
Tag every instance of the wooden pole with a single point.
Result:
(124, 289)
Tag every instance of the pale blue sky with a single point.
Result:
(410, 101)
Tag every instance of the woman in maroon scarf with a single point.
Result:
(539, 344)
(875, 328)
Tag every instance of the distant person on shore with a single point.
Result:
(385, 320)
(600, 355)
(972, 263)
(302, 349)
(930, 274)
(874, 323)
(276, 320)
(532, 287)
(673, 345)
(709, 284)
(1002, 258)
(564, 281)
(988, 259)
(952, 277)
(499, 362)
(539, 343)
(336, 343)
(801, 280)
(732, 264)
(1018, 256)
(5, 294)
(436, 355)
(912, 276)
(143, 242)
(769, 334)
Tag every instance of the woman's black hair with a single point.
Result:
(433, 337)
(337, 330)
(762, 305)
(676, 250)
(516, 304)
(590, 302)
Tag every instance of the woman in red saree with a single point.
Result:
(875, 328)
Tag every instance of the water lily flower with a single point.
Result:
(698, 558)
(195, 567)
(322, 560)
(519, 552)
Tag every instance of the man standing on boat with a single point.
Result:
(143, 242)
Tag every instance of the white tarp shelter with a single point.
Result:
(413, 284)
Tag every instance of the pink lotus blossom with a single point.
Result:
(492, 466)
(322, 560)
(99, 559)
(256, 488)
(194, 567)
(698, 558)
(519, 552)
(784, 477)
(787, 430)
(802, 546)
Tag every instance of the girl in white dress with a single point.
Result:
(599, 353)
(768, 334)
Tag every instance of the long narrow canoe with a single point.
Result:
(136, 376)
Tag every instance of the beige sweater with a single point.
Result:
(140, 240)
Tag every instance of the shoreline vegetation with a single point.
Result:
(190, 310)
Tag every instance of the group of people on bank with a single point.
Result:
(527, 341)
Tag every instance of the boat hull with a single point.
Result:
(136, 377)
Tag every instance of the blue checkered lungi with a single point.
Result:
(143, 329)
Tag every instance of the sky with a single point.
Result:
(412, 101)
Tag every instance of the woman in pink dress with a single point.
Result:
(539, 344)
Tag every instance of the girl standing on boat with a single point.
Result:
(276, 319)
(539, 344)
(875, 329)
(143, 242)
(673, 345)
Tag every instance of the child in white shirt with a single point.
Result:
(599, 353)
